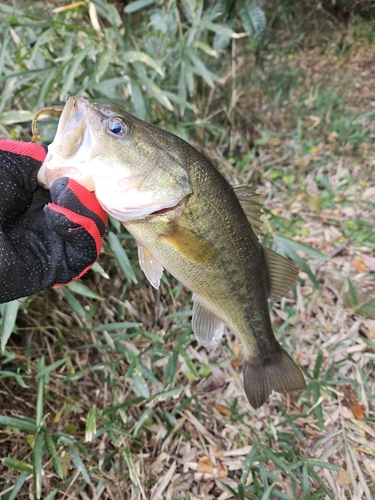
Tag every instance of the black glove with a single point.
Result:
(46, 237)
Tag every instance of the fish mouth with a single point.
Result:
(171, 211)
(72, 145)
(167, 210)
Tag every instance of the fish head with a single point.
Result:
(118, 156)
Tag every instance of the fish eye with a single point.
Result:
(117, 126)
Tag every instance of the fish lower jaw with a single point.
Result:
(178, 208)
(129, 214)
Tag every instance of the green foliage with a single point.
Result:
(105, 374)
(155, 55)
(8, 315)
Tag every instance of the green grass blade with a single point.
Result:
(51, 448)
(8, 321)
(90, 424)
(81, 289)
(143, 418)
(45, 370)
(40, 402)
(18, 485)
(132, 471)
(122, 258)
(37, 464)
(73, 302)
(139, 381)
(78, 463)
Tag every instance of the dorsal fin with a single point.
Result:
(282, 272)
(249, 201)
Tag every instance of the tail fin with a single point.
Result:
(278, 373)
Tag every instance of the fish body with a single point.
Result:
(187, 219)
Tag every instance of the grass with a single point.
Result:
(104, 392)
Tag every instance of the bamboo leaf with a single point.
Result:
(17, 465)
(220, 29)
(138, 56)
(252, 17)
(73, 69)
(9, 117)
(102, 64)
(202, 70)
(138, 5)
(23, 424)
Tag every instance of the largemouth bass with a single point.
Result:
(186, 218)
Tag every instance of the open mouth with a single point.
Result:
(180, 204)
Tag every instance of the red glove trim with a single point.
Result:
(87, 199)
(30, 149)
(77, 277)
(84, 222)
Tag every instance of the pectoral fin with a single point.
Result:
(191, 246)
(207, 327)
(282, 272)
(150, 266)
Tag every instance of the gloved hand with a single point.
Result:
(46, 237)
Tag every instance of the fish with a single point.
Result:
(187, 219)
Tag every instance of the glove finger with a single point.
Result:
(77, 229)
(19, 165)
(30, 149)
(70, 194)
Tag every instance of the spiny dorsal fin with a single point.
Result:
(249, 201)
(282, 272)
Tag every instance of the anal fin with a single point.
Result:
(150, 266)
(207, 327)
